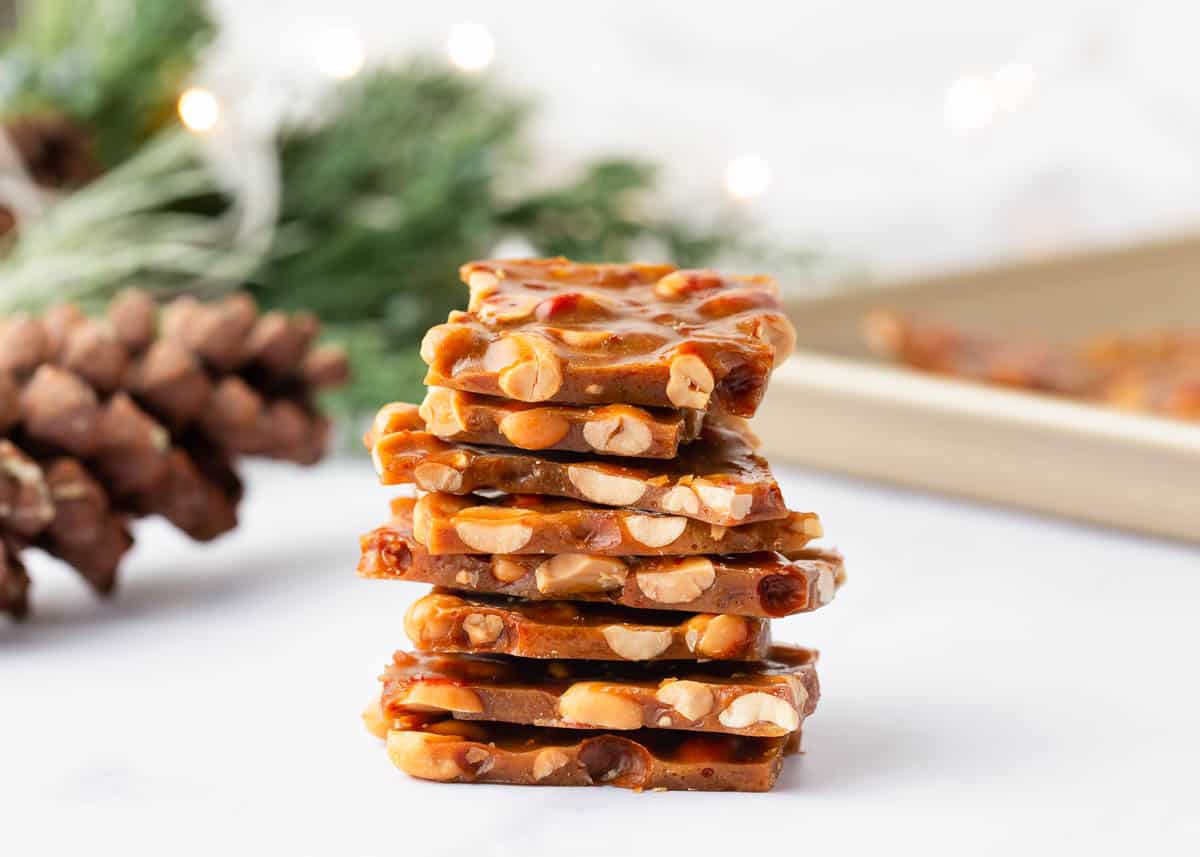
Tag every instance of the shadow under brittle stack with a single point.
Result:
(606, 546)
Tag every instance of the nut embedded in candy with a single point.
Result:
(587, 703)
(682, 500)
(723, 500)
(483, 629)
(437, 477)
(636, 644)
(536, 372)
(547, 761)
(759, 707)
(622, 435)
(691, 382)
(716, 636)
(534, 430)
(691, 699)
(601, 487)
(654, 531)
(426, 696)
(440, 414)
(687, 582)
(489, 533)
(571, 573)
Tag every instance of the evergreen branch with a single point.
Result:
(116, 66)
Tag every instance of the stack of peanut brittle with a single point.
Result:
(605, 545)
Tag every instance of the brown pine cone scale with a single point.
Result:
(144, 412)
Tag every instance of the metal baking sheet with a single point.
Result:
(835, 406)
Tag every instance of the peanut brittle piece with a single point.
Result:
(1169, 390)
(540, 330)
(460, 752)
(718, 479)
(605, 429)
(756, 584)
(1156, 372)
(947, 350)
(768, 699)
(528, 523)
(447, 622)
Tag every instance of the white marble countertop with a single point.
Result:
(993, 684)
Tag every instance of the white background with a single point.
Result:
(850, 102)
(992, 684)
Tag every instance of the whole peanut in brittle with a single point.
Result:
(768, 699)
(540, 330)
(461, 752)
(447, 622)
(531, 524)
(605, 429)
(757, 584)
(718, 479)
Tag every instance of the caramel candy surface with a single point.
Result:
(614, 430)
(531, 524)
(461, 752)
(448, 622)
(718, 479)
(757, 584)
(540, 330)
(765, 699)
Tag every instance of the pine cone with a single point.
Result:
(144, 413)
(56, 151)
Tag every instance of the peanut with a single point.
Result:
(587, 703)
(690, 382)
(573, 573)
(635, 644)
(687, 582)
(440, 412)
(534, 373)
(655, 531)
(691, 699)
(681, 499)
(601, 487)
(483, 629)
(534, 428)
(723, 501)
(621, 434)
(759, 707)
(432, 476)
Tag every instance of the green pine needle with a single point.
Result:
(408, 172)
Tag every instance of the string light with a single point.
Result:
(471, 47)
(340, 54)
(747, 176)
(970, 104)
(199, 109)
(975, 102)
(1014, 84)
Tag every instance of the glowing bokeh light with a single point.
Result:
(747, 176)
(199, 109)
(471, 47)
